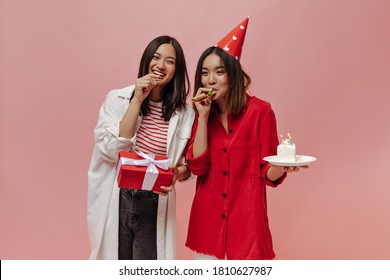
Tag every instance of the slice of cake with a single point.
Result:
(287, 150)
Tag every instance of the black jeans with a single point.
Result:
(137, 225)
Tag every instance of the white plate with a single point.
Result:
(300, 160)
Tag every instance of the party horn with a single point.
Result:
(198, 99)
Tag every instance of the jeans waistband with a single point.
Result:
(138, 192)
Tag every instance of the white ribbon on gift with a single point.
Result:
(149, 161)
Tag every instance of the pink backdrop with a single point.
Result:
(324, 65)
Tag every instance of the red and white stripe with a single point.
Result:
(153, 131)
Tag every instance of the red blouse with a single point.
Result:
(229, 212)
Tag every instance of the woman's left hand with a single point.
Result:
(170, 188)
(275, 171)
(290, 169)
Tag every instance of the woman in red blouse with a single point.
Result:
(232, 133)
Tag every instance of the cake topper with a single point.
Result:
(287, 141)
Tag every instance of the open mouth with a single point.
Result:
(160, 74)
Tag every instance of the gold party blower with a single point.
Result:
(198, 99)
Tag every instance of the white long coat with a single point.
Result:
(103, 191)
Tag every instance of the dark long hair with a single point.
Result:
(238, 80)
(174, 93)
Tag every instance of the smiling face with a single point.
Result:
(163, 63)
(214, 76)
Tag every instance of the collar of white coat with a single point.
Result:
(127, 93)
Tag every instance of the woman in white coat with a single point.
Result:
(153, 116)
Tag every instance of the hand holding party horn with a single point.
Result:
(200, 98)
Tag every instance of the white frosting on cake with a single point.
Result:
(287, 150)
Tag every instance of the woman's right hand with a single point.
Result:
(144, 85)
(203, 106)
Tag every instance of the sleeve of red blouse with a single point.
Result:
(268, 144)
(198, 165)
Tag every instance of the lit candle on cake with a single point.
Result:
(286, 150)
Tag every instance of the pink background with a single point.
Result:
(324, 65)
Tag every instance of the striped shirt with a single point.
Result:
(153, 131)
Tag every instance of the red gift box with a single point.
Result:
(141, 171)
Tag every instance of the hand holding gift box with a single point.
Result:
(140, 171)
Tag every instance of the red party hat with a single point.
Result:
(233, 42)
